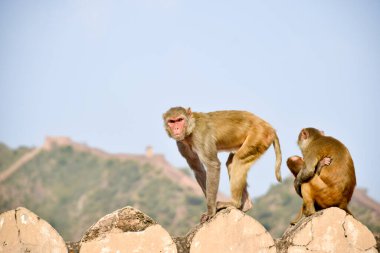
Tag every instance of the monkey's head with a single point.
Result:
(178, 122)
(295, 163)
(307, 135)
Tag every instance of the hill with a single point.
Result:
(72, 185)
(9, 156)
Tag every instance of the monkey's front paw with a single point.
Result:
(208, 215)
(327, 161)
(205, 217)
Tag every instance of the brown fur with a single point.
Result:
(245, 135)
(322, 184)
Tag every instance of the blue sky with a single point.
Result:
(103, 72)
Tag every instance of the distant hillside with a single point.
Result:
(9, 156)
(280, 205)
(72, 185)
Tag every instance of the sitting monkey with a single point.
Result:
(325, 177)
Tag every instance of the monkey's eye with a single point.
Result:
(171, 121)
(180, 119)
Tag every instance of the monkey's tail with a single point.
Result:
(277, 150)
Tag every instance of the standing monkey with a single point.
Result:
(325, 177)
(200, 136)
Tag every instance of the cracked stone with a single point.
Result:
(329, 230)
(371, 250)
(304, 236)
(23, 231)
(127, 230)
(297, 249)
(230, 230)
(358, 235)
(328, 234)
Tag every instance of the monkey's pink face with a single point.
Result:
(177, 127)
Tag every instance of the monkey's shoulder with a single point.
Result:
(229, 113)
(234, 117)
(328, 141)
(327, 146)
(225, 118)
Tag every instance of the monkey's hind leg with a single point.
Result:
(242, 161)
(308, 207)
(308, 201)
(246, 200)
(239, 173)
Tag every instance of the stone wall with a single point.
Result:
(130, 230)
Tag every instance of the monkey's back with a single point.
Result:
(339, 176)
(230, 128)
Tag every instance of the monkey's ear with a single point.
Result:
(189, 112)
(304, 134)
(322, 132)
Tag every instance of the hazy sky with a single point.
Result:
(103, 72)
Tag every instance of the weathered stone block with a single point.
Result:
(229, 231)
(22, 231)
(127, 230)
(329, 230)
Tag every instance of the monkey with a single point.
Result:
(325, 177)
(200, 136)
(296, 163)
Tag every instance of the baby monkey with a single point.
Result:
(325, 177)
